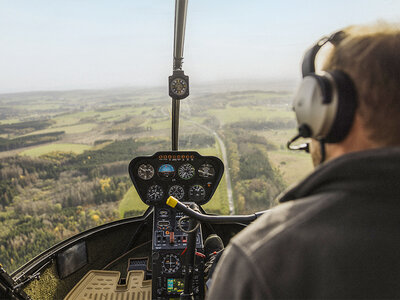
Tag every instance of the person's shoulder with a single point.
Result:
(282, 220)
(264, 251)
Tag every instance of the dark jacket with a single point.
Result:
(336, 236)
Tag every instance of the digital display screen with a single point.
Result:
(166, 171)
(174, 285)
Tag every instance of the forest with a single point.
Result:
(255, 181)
(63, 168)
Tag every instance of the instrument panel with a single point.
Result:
(185, 175)
(191, 178)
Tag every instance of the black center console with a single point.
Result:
(169, 249)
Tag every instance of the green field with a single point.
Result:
(293, 166)
(159, 125)
(40, 106)
(108, 115)
(131, 201)
(10, 121)
(234, 114)
(219, 202)
(40, 150)
(279, 137)
(78, 128)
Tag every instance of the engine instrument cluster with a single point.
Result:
(186, 175)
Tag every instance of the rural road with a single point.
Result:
(226, 163)
(224, 158)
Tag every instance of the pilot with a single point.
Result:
(336, 235)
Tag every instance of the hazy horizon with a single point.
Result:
(215, 86)
(49, 45)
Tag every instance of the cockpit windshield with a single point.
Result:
(83, 91)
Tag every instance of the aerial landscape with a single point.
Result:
(64, 156)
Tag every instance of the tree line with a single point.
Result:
(264, 125)
(29, 140)
(24, 127)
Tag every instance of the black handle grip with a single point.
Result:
(173, 202)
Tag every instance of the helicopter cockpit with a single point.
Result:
(156, 249)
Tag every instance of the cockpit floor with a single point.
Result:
(103, 285)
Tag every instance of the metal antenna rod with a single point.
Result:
(179, 39)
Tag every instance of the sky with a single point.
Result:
(80, 44)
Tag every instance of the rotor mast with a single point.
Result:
(179, 36)
(178, 82)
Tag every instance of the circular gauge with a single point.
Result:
(206, 171)
(176, 191)
(154, 193)
(186, 171)
(145, 171)
(170, 263)
(166, 171)
(179, 86)
(197, 193)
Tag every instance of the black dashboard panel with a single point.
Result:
(193, 179)
(186, 175)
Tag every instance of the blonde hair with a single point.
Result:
(370, 55)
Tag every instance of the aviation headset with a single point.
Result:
(325, 102)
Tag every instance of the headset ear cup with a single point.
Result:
(314, 105)
(347, 104)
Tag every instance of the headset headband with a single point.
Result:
(308, 65)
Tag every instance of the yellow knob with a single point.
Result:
(171, 201)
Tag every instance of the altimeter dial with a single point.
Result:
(186, 171)
(155, 193)
(176, 191)
(197, 193)
(145, 171)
